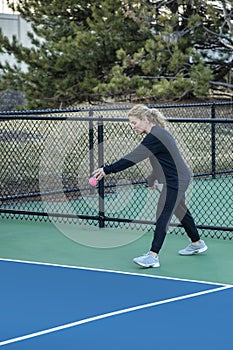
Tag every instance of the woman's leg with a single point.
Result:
(187, 221)
(166, 206)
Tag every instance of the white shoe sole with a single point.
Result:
(202, 250)
(145, 265)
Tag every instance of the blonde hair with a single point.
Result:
(153, 115)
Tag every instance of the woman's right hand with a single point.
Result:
(99, 173)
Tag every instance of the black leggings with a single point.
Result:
(171, 202)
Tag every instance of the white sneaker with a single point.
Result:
(147, 260)
(194, 248)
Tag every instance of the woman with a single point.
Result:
(169, 169)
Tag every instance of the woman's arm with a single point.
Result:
(146, 149)
(137, 155)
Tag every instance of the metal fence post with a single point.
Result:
(213, 142)
(100, 164)
(91, 149)
(91, 143)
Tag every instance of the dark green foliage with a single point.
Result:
(119, 49)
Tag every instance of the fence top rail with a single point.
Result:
(111, 108)
(101, 119)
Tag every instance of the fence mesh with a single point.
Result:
(47, 158)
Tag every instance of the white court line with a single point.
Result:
(113, 271)
(109, 314)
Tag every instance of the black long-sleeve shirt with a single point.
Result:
(167, 163)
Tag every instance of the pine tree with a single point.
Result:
(119, 49)
(74, 47)
(182, 54)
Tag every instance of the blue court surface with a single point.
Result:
(53, 307)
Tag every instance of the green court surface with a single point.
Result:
(43, 242)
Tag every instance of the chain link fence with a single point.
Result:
(48, 156)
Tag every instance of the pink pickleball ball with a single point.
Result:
(93, 181)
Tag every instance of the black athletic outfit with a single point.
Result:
(169, 169)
